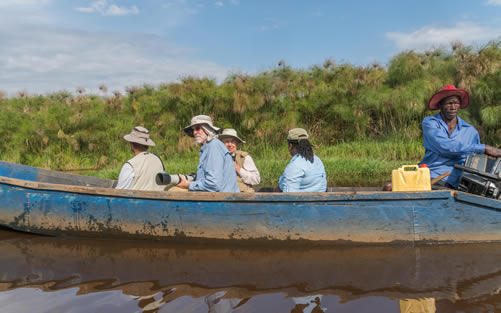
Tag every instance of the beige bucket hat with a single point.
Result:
(200, 120)
(140, 135)
(296, 134)
(230, 133)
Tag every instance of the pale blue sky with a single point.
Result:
(51, 45)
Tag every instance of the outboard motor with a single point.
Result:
(481, 176)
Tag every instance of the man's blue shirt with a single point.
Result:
(300, 175)
(216, 171)
(443, 150)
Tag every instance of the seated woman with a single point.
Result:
(305, 171)
(247, 173)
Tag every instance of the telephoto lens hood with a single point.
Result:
(166, 179)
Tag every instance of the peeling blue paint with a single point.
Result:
(368, 217)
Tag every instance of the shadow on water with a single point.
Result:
(121, 276)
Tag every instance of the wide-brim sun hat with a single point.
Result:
(296, 134)
(448, 91)
(230, 133)
(200, 120)
(140, 135)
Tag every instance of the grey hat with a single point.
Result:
(200, 120)
(297, 134)
(140, 135)
(230, 133)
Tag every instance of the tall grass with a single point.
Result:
(363, 120)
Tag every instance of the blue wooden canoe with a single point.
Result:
(54, 203)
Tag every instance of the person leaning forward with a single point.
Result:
(215, 171)
(247, 173)
(139, 172)
(305, 171)
(447, 138)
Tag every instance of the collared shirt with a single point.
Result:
(443, 150)
(215, 171)
(300, 175)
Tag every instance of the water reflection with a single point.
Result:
(425, 305)
(40, 274)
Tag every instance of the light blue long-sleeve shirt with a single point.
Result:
(216, 171)
(443, 150)
(300, 175)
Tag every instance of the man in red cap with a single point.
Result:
(447, 138)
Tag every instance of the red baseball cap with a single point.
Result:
(447, 91)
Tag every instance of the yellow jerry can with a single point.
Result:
(411, 178)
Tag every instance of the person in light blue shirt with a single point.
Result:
(216, 171)
(447, 138)
(305, 171)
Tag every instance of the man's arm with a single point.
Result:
(126, 177)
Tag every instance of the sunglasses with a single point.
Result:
(197, 128)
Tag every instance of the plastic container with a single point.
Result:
(411, 178)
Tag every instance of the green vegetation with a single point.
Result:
(364, 120)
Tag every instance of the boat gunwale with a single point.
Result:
(477, 200)
(233, 196)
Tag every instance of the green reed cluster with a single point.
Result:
(364, 120)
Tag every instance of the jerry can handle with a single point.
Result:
(410, 167)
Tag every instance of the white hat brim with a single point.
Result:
(221, 137)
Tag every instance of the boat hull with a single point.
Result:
(310, 218)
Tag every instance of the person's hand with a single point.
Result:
(237, 168)
(185, 184)
(492, 151)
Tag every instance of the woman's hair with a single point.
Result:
(303, 148)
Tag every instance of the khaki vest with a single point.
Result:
(146, 166)
(239, 159)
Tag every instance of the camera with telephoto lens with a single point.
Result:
(166, 179)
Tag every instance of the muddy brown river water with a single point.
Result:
(43, 274)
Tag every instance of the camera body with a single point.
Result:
(166, 179)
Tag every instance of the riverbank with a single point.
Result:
(363, 120)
